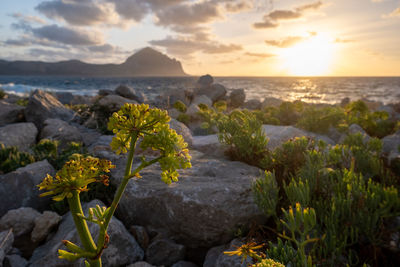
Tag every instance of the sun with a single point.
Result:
(312, 57)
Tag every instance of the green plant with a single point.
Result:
(243, 133)
(376, 123)
(184, 118)
(129, 124)
(2, 94)
(180, 106)
(11, 158)
(320, 120)
(48, 149)
(266, 193)
(22, 102)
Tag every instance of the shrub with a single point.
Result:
(376, 123)
(22, 102)
(243, 133)
(184, 118)
(320, 120)
(2, 94)
(11, 159)
(180, 106)
(266, 193)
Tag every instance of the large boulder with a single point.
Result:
(42, 106)
(56, 129)
(391, 143)
(183, 130)
(21, 189)
(252, 104)
(208, 144)
(10, 113)
(114, 102)
(205, 81)
(164, 252)
(237, 98)
(216, 258)
(202, 99)
(130, 93)
(214, 91)
(278, 135)
(6, 240)
(44, 224)
(271, 102)
(22, 135)
(201, 210)
(121, 251)
(21, 220)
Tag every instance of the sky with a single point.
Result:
(220, 37)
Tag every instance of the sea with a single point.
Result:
(328, 90)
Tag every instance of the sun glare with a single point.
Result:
(312, 57)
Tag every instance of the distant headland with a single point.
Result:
(144, 63)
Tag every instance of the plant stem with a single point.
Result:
(118, 194)
(82, 228)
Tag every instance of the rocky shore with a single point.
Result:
(189, 223)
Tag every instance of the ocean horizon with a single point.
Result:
(326, 89)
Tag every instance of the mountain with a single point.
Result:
(146, 62)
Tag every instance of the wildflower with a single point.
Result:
(76, 175)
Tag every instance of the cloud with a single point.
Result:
(286, 42)
(28, 19)
(259, 55)
(68, 36)
(395, 13)
(80, 13)
(187, 45)
(188, 14)
(272, 19)
(234, 7)
(343, 41)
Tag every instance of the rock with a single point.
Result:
(208, 144)
(10, 113)
(104, 92)
(210, 199)
(252, 104)
(345, 101)
(173, 95)
(141, 236)
(202, 99)
(354, 129)
(22, 135)
(42, 106)
(114, 102)
(164, 252)
(6, 240)
(271, 102)
(64, 97)
(101, 148)
(20, 187)
(44, 224)
(183, 130)
(141, 264)
(15, 261)
(334, 134)
(278, 135)
(237, 98)
(391, 143)
(215, 91)
(184, 264)
(205, 80)
(213, 254)
(122, 249)
(2, 256)
(173, 113)
(21, 220)
(56, 129)
(193, 111)
(224, 260)
(130, 93)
